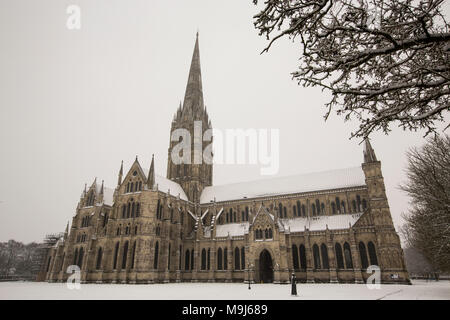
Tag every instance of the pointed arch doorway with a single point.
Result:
(265, 267)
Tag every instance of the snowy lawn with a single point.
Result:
(223, 291)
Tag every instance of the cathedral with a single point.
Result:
(330, 226)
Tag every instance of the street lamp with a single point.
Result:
(249, 266)
(248, 272)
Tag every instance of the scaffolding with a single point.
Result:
(50, 240)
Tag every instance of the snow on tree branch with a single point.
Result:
(384, 61)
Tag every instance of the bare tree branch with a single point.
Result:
(384, 61)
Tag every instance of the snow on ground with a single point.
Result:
(224, 291)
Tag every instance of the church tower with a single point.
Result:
(388, 242)
(193, 173)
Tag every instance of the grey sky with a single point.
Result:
(73, 104)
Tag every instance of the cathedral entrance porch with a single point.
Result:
(265, 267)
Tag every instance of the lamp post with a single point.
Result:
(248, 272)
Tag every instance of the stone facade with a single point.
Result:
(182, 228)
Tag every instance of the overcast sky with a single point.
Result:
(74, 103)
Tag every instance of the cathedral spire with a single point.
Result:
(151, 174)
(369, 153)
(119, 182)
(66, 233)
(193, 98)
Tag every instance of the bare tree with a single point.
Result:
(384, 61)
(428, 222)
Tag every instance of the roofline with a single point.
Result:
(287, 195)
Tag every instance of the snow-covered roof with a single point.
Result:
(334, 222)
(326, 180)
(165, 184)
(234, 229)
(108, 196)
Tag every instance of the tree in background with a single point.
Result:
(384, 61)
(18, 259)
(428, 222)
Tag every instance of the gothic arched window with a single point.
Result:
(318, 206)
(372, 253)
(208, 259)
(354, 205)
(225, 259)
(324, 251)
(303, 210)
(168, 257)
(316, 255)
(219, 259)
(179, 258)
(125, 255)
(343, 207)
(333, 208)
(242, 258)
(133, 254)
(295, 256)
(302, 251)
(155, 260)
(237, 260)
(105, 219)
(80, 257)
(138, 210)
(75, 256)
(116, 253)
(186, 260)
(203, 266)
(338, 205)
(364, 204)
(348, 256)
(313, 207)
(339, 257)
(192, 259)
(363, 255)
(99, 258)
